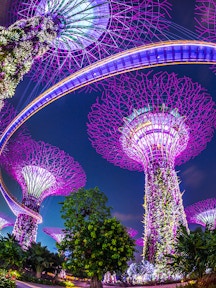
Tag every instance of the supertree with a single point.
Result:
(41, 170)
(89, 30)
(205, 21)
(56, 233)
(5, 221)
(152, 123)
(20, 44)
(203, 213)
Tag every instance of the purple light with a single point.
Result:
(203, 213)
(139, 242)
(56, 233)
(90, 30)
(41, 170)
(5, 221)
(205, 21)
(132, 232)
(152, 122)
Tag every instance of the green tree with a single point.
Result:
(40, 259)
(195, 252)
(11, 254)
(97, 242)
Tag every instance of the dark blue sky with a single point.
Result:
(63, 124)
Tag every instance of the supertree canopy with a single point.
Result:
(56, 233)
(20, 44)
(205, 19)
(203, 213)
(5, 221)
(41, 170)
(152, 123)
(7, 114)
(89, 30)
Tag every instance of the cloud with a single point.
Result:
(193, 176)
(126, 217)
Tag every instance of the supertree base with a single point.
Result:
(25, 230)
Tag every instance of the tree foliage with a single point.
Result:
(195, 252)
(40, 259)
(11, 254)
(96, 242)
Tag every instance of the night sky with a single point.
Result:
(63, 124)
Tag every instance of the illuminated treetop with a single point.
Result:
(205, 19)
(141, 116)
(20, 44)
(89, 30)
(5, 221)
(56, 233)
(202, 212)
(43, 170)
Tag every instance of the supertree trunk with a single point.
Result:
(25, 227)
(164, 213)
(25, 230)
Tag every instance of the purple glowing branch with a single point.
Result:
(203, 213)
(132, 232)
(5, 221)
(56, 233)
(93, 29)
(6, 115)
(119, 103)
(43, 170)
(139, 242)
(205, 19)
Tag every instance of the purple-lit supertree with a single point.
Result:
(41, 170)
(152, 123)
(20, 44)
(89, 30)
(205, 21)
(56, 233)
(5, 221)
(203, 213)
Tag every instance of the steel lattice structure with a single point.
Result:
(205, 21)
(151, 123)
(41, 170)
(202, 212)
(56, 233)
(5, 221)
(90, 30)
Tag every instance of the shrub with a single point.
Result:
(6, 280)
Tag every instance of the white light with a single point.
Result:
(84, 21)
(37, 180)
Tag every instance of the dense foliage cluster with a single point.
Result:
(96, 242)
(195, 253)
